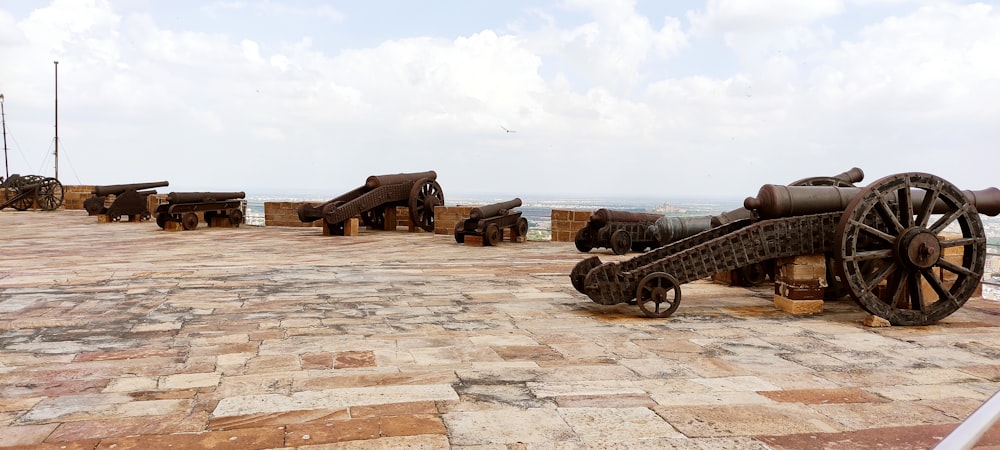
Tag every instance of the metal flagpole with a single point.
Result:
(57, 118)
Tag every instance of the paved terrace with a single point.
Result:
(125, 336)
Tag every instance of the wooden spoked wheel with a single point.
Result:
(49, 195)
(521, 227)
(658, 295)
(424, 196)
(911, 248)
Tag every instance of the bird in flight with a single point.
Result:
(509, 131)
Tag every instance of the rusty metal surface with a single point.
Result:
(490, 221)
(196, 197)
(129, 200)
(118, 189)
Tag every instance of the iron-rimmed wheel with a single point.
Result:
(374, 218)
(492, 234)
(424, 196)
(521, 228)
(235, 216)
(189, 220)
(621, 242)
(658, 295)
(895, 255)
(580, 271)
(15, 186)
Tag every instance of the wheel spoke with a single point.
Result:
(905, 205)
(957, 269)
(874, 231)
(888, 215)
(870, 255)
(877, 278)
(916, 293)
(949, 243)
(927, 208)
(948, 219)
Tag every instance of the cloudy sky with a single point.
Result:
(642, 98)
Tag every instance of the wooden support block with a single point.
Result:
(335, 230)
(135, 218)
(474, 240)
(798, 307)
(351, 226)
(171, 225)
(391, 221)
(103, 218)
(222, 222)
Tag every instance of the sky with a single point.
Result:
(602, 98)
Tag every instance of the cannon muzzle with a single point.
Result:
(201, 197)
(118, 189)
(774, 201)
(375, 181)
(493, 210)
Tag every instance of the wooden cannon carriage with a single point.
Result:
(420, 192)
(887, 242)
(218, 209)
(29, 191)
(490, 221)
(620, 231)
(130, 200)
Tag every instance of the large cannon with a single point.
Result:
(216, 207)
(130, 200)
(490, 221)
(887, 241)
(420, 192)
(620, 231)
(28, 191)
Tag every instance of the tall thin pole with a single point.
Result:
(57, 118)
(3, 118)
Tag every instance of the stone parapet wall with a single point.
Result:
(446, 217)
(285, 214)
(75, 195)
(565, 223)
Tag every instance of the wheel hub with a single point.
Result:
(918, 248)
(658, 295)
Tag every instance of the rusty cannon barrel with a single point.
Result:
(775, 201)
(118, 189)
(493, 210)
(201, 197)
(375, 181)
(603, 216)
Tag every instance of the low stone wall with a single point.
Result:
(446, 217)
(285, 214)
(566, 222)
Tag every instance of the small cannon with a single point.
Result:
(887, 241)
(489, 222)
(420, 192)
(217, 208)
(131, 200)
(620, 231)
(25, 192)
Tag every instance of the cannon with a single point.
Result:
(130, 200)
(620, 231)
(887, 241)
(420, 192)
(25, 192)
(489, 222)
(216, 207)
(670, 229)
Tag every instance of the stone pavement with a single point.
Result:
(125, 336)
